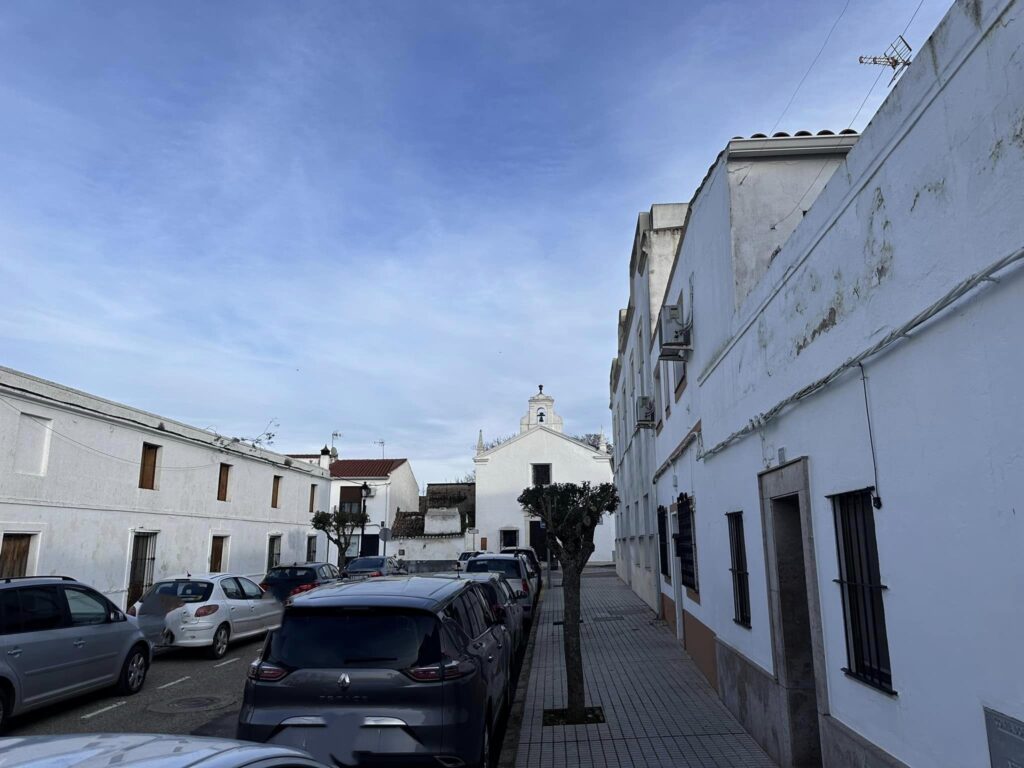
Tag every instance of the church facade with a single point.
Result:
(541, 453)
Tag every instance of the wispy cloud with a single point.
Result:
(388, 219)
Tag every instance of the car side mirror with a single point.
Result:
(520, 594)
(116, 616)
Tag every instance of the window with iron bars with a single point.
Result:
(860, 585)
(666, 571)
(686, 543)
(740, 577)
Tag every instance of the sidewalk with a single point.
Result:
(659, 709)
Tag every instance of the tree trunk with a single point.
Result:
(571, 641)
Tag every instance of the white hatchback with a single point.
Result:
(207, 610)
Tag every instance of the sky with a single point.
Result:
(389, 220)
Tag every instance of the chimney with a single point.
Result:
(325, 457)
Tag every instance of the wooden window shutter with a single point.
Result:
(222, 484)
(275, 493)
(147, 473)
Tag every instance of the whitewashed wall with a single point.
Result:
(503, 472)
(928, 197)
(84, 503)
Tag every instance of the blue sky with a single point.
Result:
(388, 219)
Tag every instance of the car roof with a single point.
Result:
(471, 576)
(500, 556)
(199, 577)
(421, 592)
(151, 750)
(33, 581)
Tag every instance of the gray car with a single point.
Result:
(60, 638)
(514, 568)
(364, 567)
(503, 600)
(145, 750)
(394, 670)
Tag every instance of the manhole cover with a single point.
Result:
(192, 704)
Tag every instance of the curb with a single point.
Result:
(510, 744)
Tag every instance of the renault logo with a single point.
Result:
(344, 681)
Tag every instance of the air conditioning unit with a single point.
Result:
(676, 335)
(645, 411)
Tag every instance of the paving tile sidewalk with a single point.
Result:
(659, 709)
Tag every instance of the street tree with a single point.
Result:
(570, 513)
(340, 525)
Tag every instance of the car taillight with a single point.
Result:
(450, 670)
(302, 588)
(264, 586)
(267, 673)
(131, 611)
(526, 586)
(376, 573)
(206, 610)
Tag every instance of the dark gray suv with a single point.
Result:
(388, 671)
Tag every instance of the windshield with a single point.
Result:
(181, 591)
(336, 638)
(276, 574)
(366, 564)
(484, 565)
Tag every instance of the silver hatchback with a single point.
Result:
(60, 638)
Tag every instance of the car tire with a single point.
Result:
(6, 703)
(133, 672)
(220, 642)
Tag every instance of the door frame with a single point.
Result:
(34, 544)
(225, 552)
(132, 533)
(787, 480)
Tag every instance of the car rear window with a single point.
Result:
(361, 563)
(483, 565)
(183, 591)
(338, 638)
(275, 574)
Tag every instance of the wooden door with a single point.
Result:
(217, 554)
(14, 555)
(140, 576)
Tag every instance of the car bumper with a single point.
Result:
(192, 635)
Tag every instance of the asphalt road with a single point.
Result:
(184, 692)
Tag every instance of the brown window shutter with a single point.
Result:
(312, 498)
(276, 492)
(222, 485)
(147, 473)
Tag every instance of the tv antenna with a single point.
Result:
(896, 56)
(381, 444)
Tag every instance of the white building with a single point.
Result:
(539, 454)
(839, 474)
(118, 497)
(654, 247)
(392, 487)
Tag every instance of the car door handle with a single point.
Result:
(79, 643)
(14, 652)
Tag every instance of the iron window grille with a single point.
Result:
(860, 585)
(686, 543)
(663, 543)
(740, 577)
(541, 474)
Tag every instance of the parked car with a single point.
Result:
(205, 611)
(516, 570)
(464, 556)
(147, 750)
(533, 561)
(503, 601)
(284, 581)
(373, 566)
(402, 669)
(60, 638)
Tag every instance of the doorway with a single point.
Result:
(140, 574)
(217, 546)
(539, 540)
(369, 545)
(14, 555)
(509, 538)
(797, 642)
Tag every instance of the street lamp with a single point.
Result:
(362, 530)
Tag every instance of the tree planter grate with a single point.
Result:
(591, 716)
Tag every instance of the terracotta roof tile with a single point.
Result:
(364, 468)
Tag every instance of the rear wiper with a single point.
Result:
(359, 659)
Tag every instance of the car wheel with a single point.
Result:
(6, 702)
(133, 672)
(220, 642)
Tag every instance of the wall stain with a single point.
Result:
(823, 326)
(973, 8)
(878, 250)
(935, 188)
